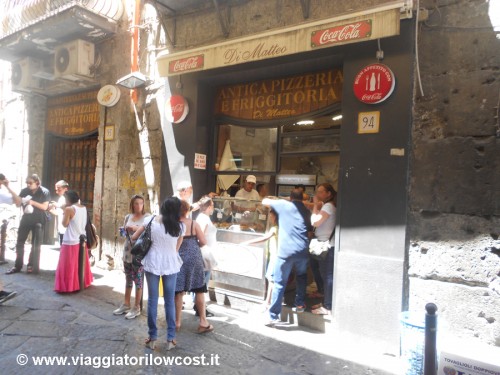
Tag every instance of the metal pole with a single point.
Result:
(430, 352)
(36, 246)
(3, 234)
(81, 262)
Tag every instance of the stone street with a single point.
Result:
(81, 329)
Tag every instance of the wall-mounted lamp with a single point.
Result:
(132, 80)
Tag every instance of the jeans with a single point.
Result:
(22, 235)
(326, 269)
(169, 297)
(282, 269)
(317, 274)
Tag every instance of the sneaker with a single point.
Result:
(135, 312)
(5, 296)
(273, 322)
(299, 309)
(121, 310)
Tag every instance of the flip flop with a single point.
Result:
(12, 270)
(150, 343)
(29, 269)
(206, 329)
(321, 311)
(317, 306)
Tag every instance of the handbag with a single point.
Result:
(208, 258)
(319, 249)
(91, 233)
(142, 245)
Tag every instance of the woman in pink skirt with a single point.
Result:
(74, 219)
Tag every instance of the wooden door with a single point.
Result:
(73, 160)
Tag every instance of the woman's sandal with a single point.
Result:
(321, 311)
(206, 329)
(150, 343)
(171, 344)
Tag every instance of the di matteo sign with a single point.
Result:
(281, 97)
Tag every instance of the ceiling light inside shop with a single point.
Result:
(305, 122)
(337, 117)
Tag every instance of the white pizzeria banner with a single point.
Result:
(343, 29)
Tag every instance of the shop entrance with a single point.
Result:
(308, 147)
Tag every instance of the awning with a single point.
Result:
(356, 27)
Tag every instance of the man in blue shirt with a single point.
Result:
(294, 225)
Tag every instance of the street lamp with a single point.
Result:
(132, 80)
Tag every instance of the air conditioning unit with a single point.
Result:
(73, 60)
(22, 75)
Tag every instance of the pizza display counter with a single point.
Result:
(240, 268)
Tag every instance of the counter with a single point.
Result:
(240, 268)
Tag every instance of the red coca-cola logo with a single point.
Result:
(186, 64)
(374, 84)
(176, 109)
(342, 33)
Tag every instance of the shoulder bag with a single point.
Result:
(91, 233)
(319, 249)
(142, 245)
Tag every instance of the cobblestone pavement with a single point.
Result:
(81, 329)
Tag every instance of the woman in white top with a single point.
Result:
(163, 261)
(74, 220)
(323, 220)
(134, 274)
(210, 231)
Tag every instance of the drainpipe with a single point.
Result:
(135, 45)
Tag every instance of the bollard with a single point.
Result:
(35, 247)
(3, 235)
(81, 261)
(430, 353)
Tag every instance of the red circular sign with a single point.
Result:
(374, 84)
(176, 109)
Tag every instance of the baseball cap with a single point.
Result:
(251, 178)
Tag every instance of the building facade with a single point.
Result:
(413, 155)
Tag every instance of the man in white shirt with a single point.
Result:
(248, 191)
(6, 197)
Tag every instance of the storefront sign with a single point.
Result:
(186, 65)
(281, 97)
(200, 161)
(342, 33)
(108, 95)
(176, 109)
(342, 29)
(73, 115)
(374, 84)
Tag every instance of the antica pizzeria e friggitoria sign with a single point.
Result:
(280, 97)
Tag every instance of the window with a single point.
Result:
(246, 149)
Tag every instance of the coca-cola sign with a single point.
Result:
(187, 64)
(374, 83)
(341, 34)
(176, 109)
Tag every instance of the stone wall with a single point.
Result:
(454, 254)
(132, 163)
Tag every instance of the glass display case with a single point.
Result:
(240, 268)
